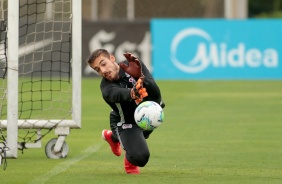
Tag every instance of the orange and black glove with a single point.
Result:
(134, 67)
(138, 92)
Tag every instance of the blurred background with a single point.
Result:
(126, 26)
(97, 10)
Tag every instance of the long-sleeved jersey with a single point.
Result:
(117, 93)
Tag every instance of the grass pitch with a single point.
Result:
(214, 132)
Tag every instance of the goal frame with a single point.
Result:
(13, 123)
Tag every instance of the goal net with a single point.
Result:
(40, 63)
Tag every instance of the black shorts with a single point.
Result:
(132, 139)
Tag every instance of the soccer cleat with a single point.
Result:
(130, 168)
(115, 146)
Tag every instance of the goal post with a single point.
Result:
(76, 59)
(43, 64)
(12, 73)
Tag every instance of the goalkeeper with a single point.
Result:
(123, 87)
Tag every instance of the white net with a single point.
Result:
(44, 69)
(3, 72)
(44, 63)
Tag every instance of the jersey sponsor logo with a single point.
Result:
(119, 123)
(132, 80)
(219, 55)
(126, 126)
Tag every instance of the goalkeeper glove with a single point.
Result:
(134, 67)
(138, 92)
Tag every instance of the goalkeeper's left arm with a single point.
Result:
(153, 90)
(137, 69)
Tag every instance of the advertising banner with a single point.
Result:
(117, 37)
(216, 49)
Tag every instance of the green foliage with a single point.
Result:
(276, 14)
(214, 132)
(265, 9)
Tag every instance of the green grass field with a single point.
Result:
(214, 132)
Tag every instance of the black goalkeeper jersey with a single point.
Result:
(117, 93)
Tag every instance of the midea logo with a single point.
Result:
(218, 55)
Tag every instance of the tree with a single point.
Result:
(265, 9)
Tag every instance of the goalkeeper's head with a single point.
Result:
(104, 63)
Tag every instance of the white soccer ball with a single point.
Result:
(149, 115)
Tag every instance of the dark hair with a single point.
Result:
(96, 53)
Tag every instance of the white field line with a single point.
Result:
(31, 47)
(28, 48)
(65, 165)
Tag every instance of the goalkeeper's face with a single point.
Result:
(106, 67)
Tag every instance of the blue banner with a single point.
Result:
(216, 49)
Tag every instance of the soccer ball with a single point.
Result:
(149, 115)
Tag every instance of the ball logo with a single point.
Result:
(218, 55)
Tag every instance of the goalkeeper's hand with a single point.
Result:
(138, 92)
(134, 67)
